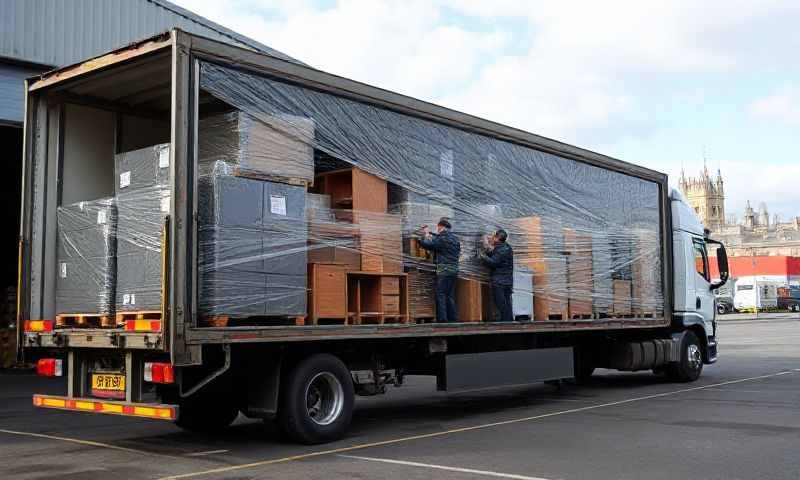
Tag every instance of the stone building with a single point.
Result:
(756, 234)
(707, 196)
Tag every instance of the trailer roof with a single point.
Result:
(314, 78)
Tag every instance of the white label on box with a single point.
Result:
(63, 270)
(133, 299)
(80, 206)
(163, 158)
(126, 299)
(446, 164)
(277, 205)
(124, 179)
(101, 217)
(165, 204)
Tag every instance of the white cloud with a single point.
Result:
(561, 69)
(784, 107)
(570, 63)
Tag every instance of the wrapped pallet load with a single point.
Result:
(143, 201)
(252, 246)
(87, 249)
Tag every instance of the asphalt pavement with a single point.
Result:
(741, 420)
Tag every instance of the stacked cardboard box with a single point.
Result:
(549, 266)
(273, 146)
(602, 273)
(646, 274)
(421, 293)
(578, 247)
(252, 247)
(86, 257)
(522, 298)
(143, 202)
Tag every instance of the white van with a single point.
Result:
(751, 294)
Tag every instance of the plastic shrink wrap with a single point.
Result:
(311, 205)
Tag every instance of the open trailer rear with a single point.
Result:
(208, 230)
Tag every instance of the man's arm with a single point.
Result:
(489, 258)
(429, 242)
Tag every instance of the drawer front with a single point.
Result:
(329, 291)
(391, 304)
(390, 286)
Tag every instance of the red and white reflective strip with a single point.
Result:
(158, 372)
(38, 325)
(163, 412)
(142, 325)
(50, 367)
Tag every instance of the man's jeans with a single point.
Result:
(502, 300)
(446, 310)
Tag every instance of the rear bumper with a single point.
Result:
(91, 405)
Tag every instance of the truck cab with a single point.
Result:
(694, 299)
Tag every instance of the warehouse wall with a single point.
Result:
(12, 92)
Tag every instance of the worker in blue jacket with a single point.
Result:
(499, 257)
(446, 248)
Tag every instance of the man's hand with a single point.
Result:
(425, 231)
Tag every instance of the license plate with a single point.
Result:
(108, 385)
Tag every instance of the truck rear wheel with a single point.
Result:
(317, 399)
(690, 365)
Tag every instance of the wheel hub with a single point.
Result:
(693, 357)
(324, 398)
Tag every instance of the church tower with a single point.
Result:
(706, 195)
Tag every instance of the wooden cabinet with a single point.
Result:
(327, 292)
(375, 297)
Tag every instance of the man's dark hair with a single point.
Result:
(444, 222)
(501, 235)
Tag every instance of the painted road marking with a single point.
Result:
(486, 473)
(210, 452)
(88, 443)
(362, 446)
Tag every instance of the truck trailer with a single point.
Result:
(209, 231)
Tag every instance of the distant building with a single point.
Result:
(707, 196)
(755, 235)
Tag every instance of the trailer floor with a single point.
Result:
(740, 420)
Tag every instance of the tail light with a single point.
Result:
(38, 325)
(143, 325)
(158, 373)
(50, 367)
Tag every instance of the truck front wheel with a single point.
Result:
(690, 365)
(317, 399)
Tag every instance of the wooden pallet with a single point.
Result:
(244, 173)
(215, 320)
(332, 321)
(85, 320)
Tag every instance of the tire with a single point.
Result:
(317, 399)
(206, 413)
(690, 366)
(721, 309)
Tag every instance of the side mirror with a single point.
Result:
(722, 265)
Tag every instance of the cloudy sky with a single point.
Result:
(655, 83)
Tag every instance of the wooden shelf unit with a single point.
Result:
(362, 198)
(375, 297)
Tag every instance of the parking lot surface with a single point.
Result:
(740, 420)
